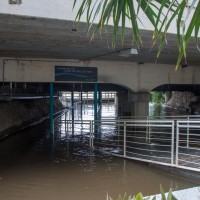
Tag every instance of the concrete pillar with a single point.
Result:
(115, 99)
(168, 96)
(133, 104)
(139, 103)
(119, 106)
(123, 104)
(116, 102)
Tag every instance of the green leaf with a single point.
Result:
(165, 31)
(162, 193)
(160, 13)
(194, 21)
(139, 196)
(135, 28)
(154, 198)
(170, 196)
(180, 15)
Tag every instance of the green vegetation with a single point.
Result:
(161, 14)
(139, 196)
(157, 97)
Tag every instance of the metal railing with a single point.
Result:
(150, 141)
(188, 145)
(166, 142)
(173, 117)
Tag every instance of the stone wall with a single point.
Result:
(180, 100)
(20, 113)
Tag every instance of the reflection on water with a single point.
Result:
(164, 110)
(28, 173)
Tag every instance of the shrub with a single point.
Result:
(157, 97)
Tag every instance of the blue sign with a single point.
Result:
(81, 74)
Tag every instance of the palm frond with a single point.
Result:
(161, 14)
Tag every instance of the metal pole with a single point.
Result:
(99, 109)
(124, 139)
(99, 99)
(51, 121)
(72, 100)
(87, 98)
(172, 144)
(67, 129)
(95, 108)
(90, 134)
(51, 110)
(188, 133)
(177, 142)
(118, 132)
(147, 130)
(11, 89)
(65, 122)
(81, 101)
(53, 132)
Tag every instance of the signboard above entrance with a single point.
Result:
(71, 73)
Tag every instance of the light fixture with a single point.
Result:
(128, 52)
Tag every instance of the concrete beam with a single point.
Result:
(135, 77)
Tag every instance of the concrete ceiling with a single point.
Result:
(22, 36)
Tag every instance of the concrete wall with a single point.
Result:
(180, 100)
(18, 114)
(128, 74)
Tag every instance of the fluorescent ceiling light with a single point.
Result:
(128, 52)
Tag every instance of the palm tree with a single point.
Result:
(160, 13)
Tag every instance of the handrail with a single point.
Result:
(160, 140)
(66, 111)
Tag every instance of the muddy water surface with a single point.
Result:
(32, 169)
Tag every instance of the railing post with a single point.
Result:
(124, 139)
(91, 134)
(65, 122)
(60, 123)
(53, 128)
(95, 108)
(72, 105)
(67, 129)
(90, 141)
(177, 142)
(118, 132)
(51, 109)
(188, 133)
(147, 130)
(172, 144)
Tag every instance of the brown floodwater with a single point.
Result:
(32, 169)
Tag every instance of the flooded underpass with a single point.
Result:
(32, 168)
